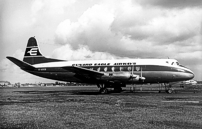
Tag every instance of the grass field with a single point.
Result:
(83, 107)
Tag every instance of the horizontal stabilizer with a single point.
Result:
(21, 64)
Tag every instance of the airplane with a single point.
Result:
(105, 74)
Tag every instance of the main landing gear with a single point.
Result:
(104, 88)
(167, 88)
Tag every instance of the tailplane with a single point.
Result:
(21, 64)
(33, 55)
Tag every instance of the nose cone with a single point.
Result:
(189, 75)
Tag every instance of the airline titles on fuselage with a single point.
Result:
(105, 64)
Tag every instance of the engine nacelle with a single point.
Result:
(122, 77)
(142, 79)
(137, 78)
(134, 77)
(116, 76)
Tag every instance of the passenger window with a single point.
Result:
(121, 68)
(129, 68)
(105, 69)
(172, 63)
(112, 69)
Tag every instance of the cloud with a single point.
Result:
(82, 53)
(50, 7)
(126, 30)
(90, 29)
(173, 3)
(86, 30)
(158, 25)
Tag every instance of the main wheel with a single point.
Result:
(103, 90)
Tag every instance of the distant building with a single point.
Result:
(190, 82)
(17, 85)
(4, 83)
(199, 82)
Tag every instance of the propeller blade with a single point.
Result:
(140, 71)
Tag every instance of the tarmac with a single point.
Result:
(83, 107)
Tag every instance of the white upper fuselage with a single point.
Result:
(118, 62)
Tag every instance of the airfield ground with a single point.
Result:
(84, 107)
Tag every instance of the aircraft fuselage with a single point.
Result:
(153, 70)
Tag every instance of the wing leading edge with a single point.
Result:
(83, 73)
(80, 70)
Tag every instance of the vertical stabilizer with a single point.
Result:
(33, 55)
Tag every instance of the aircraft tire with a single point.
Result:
(103, 90)
(169, 91)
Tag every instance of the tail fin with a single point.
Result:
(33, 55)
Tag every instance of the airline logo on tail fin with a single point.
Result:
(32, 51)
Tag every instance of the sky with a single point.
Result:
(100, 29)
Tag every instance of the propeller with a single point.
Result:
(136, 77)
(141, 77)
(132, 76)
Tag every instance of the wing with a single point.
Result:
(83, 73)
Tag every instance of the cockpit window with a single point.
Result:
(175, 63)
(182, 66)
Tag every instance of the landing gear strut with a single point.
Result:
(168, 88)
(104, 88)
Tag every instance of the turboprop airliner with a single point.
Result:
(104, 73)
